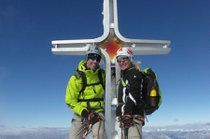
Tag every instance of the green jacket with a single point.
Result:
(94, 91)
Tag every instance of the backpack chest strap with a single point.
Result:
(90, 100)
(92, 84)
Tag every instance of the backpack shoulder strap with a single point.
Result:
(123, 82)
(100, 76)
(80, 74)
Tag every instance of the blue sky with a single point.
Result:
(33, 80)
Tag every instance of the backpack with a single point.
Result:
(151, 91)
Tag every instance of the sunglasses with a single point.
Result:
(121, 58)
(94, 57)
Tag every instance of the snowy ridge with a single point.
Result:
(181, 128)
(188, 131)
(33, 133)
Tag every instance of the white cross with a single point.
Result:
(111, 34)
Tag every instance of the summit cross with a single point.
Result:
(110, 41)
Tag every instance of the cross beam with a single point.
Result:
(110, 41)
(110, 23)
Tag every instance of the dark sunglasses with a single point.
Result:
(121, 58)
(94, 57)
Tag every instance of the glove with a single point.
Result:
(85, 114)
(90, 117)
(93, 118)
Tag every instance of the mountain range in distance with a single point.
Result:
(187, 131)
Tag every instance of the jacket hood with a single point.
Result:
(82, 67)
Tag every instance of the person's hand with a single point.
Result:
(90, 117)
(93, 118)
(85, 114)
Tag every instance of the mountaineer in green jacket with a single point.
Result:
(84, 96)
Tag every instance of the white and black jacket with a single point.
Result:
(130, 92)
